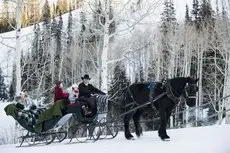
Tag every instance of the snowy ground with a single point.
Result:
(212, 139)
(215, 139)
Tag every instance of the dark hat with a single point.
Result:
(86, 76)
(58, 83)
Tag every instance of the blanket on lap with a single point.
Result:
(29, 116)
(54, 111)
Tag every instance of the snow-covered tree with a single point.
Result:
(168, 29)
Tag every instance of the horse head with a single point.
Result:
(182, 86)
(190, 91)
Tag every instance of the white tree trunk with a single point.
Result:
(158, 59)
(62, 57)
(18, 47)
(52, 59)
(171, 121)
(199, 101)
(105, 49)
(227, 90)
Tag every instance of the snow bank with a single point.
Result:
(7, 123)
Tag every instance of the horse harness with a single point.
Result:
(134, 102)
(170, 94)
(176, 99)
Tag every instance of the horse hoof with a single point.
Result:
(165, 139)
(129, 137)
(132, 138)
(139, 135)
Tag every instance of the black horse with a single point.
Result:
(167, 93)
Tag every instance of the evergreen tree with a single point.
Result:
(46, 33)
(3, 91)
(44, 48)
(54, 27)
(168, 29)
(35, 59)
(69, 30)
(59, 47)
(59, 35)
(46, 16)
(119, 83)
(168, 18)
(35, 42)
(188, 19)
(206, 13)
(25, 76)
(196, 15)
(83, 21)
(68, 73)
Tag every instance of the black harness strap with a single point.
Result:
(170, 94)
(133, 103)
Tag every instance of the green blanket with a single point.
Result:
(53, 111)
(11, 110)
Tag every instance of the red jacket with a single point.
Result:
(59, 94)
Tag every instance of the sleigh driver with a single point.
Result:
(86, 92)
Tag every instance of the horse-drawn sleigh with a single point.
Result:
(134, 100)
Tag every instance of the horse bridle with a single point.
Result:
(175, 98)
(189, 96)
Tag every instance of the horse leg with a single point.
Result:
(163, 123)
(127, 118)
(136, 120)
(168, 114)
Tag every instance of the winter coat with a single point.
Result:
(86, 91)
(60, 94)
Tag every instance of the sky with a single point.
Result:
(180, 7)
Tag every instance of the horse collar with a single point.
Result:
(169, 92)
